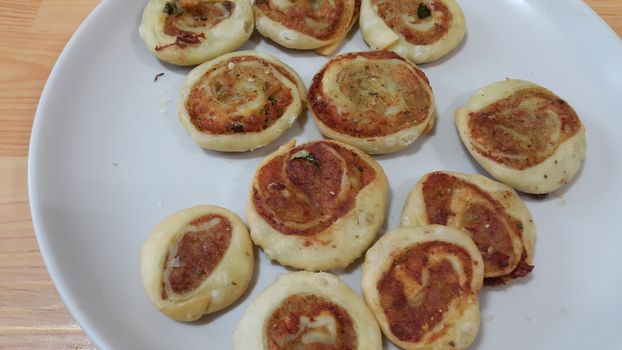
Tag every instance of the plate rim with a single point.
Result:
(42, 235)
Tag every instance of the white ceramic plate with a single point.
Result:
(109, 160)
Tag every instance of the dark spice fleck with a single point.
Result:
(423, 11)
(170, 8)
(157, 76)
(305, 155)
(236, 127)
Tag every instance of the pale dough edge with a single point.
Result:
(379, 258)
(231, 33)
(414, 212)
(569, 155)
(245, 141)
(288, 37)
(380, 36)
(388, 143)
(351, 239)
(217, 291)
(249, 334)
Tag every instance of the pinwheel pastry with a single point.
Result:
(240, 101)
(421, 283)
(305, 310)
(490, 212)
(189, 32)
(306, 24)
(420, 30)
(197, 261)
(524, 135)
(317, 206)
(376, 101)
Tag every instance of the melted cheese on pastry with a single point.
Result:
(307, 311)
(422, 30)
(240, 101)
(491, 213)
(422, 283)
(196, 261)
(306, 24)
(524, 135)
(317, 206)
(189, 32)
(376, 101)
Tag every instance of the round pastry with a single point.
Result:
(524, 135)
(376, 101)
(491, 213)
(306, 24)
(305, 310)
(421, 283)
(240, 101)
(189, 32)
(197, 261)
(421, 30)
(317, 206)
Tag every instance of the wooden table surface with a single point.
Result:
(32, 34)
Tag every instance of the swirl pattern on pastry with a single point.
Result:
(197, 261)
(422, 30)
(376, 101)
(306, 24)
(421, 284)
(189, 32)
(491, 213)
(308, 311)
(240, 101)
(524, 135)
(317, 206)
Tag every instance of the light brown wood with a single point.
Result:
(32, 34)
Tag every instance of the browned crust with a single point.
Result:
(323, 108)
(294, 18)
(198, 253)
(489, 126)
(392, 10)
(410, 320)
(285, 322)
(225, 122)
(308, 188)
(489, 234)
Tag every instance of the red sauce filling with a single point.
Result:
(392, 12)
(413, 313)
(523, 129)
(283, 328)
(365, 86)
(323, 20)
(304, 196)
(198, 252)
(489, 225)
(215, 99)
(203, 15)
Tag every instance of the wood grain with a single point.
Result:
(32, 34)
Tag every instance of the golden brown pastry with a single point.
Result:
(306, 24)
(308, 311)
(491, 213)
(421, 30)
(240, 101)
(197, 261)
(421, 283)
(376, 101)
(317, 206)
(524, 135)
(189, 32)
